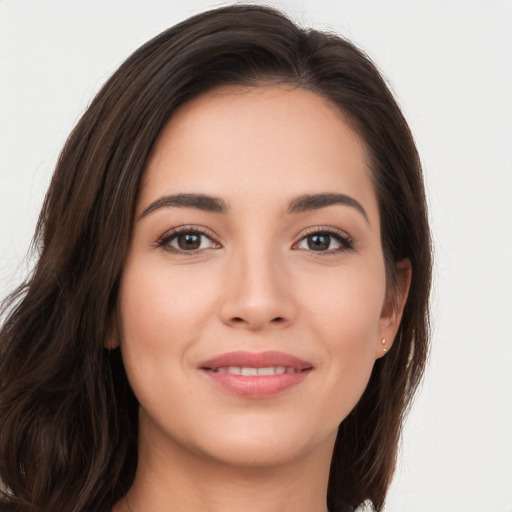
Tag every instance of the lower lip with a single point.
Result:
(258, 386)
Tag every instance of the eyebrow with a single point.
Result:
(199, 201)
(316, 201)
(213, 204)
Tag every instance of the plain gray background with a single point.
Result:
(450, 65)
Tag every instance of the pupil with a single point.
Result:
(189, 241)
(319, 242)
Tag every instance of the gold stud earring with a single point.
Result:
(383, 342)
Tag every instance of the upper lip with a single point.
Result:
(247, 359)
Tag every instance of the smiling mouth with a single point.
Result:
(248, 371)
(269, 362)
(256, 375)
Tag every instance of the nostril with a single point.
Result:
(240, 320)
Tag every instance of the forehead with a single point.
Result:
(275, 141)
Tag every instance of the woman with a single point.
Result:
(229, 310)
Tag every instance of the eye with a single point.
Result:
(328, 241)
(187, 240)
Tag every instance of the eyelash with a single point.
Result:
(346, 242)
(165, 240)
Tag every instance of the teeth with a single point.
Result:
(251, 372)
(267, 371)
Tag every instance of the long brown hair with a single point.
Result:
(68, 419)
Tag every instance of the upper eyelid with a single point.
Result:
(320, 229)
(323, 229)
(190, 228)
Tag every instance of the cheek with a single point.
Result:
(158, 306)
(157, 320)
(347, 307)
(346, 317)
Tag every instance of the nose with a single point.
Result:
(258, 293)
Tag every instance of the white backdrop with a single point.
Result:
(450, 65)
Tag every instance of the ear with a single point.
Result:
(112, 339)
(393, 308)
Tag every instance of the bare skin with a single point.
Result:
(256, 266)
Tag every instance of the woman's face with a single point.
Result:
(253, 299)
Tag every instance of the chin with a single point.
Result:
(263, 444)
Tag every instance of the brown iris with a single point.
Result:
(189, 241)
(319, 242)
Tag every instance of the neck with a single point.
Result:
(172, 478)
